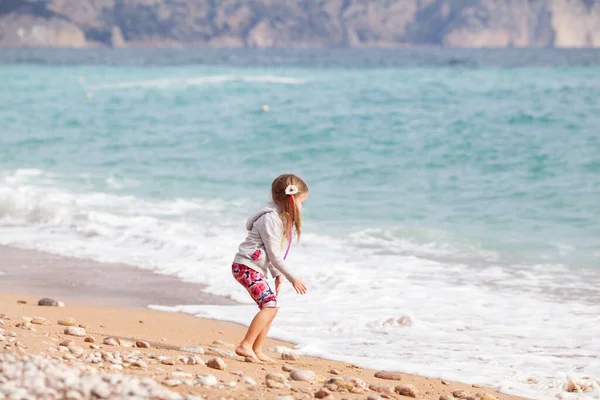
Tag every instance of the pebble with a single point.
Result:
(274, 384)
(195, 360)
(182, 359)
(40, 321)
(193, 349)
(334, 372)
(207, 380)
(111, 341)
(115, 367)
(407, 390)
(284, 398)
(140, 364)
(392, 376)
(289, 355)
(216, 363)
(180, 374)
(446, 397)
(322, 393)
(94, 346)
(277, 377)
(302, 375)
(172, 382)
(48, 302)
(237, 373)
(89, 339)
(249, 381)
(461, 394)
(287, 368)
(69, 321)
(387, 390)
(223, 353)
(21, 301)
(67, 342)
(445, 383)
(167, 361)
(142, 344)
(476, 386)
(69, 357)
(33, 376)
(486, 396)
(78, 351)
(74, 331)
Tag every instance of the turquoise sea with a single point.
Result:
(447, 186)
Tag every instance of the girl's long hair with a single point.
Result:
(283, 202)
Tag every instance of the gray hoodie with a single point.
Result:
(264, 234)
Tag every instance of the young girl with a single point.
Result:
(269, 231)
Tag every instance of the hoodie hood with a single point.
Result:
(269, 207)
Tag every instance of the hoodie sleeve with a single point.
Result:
(269, 228)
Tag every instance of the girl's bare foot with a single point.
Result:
(263, 357)
(247, 354)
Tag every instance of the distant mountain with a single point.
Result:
(300, 23)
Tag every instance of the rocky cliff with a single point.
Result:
(300, 23)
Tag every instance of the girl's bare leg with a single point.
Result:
(263, 318)
(260, 339)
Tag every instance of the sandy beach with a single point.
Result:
(109, 301)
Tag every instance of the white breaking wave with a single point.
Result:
(524, 329)
(165, 83)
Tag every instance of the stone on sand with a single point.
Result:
(407, 390)
(461, 394)
(290, 355)
(323, 393)
(172, 382)
(392, 376)
(387, 390)
(46, 302)
(89, 339)
(207, 380)
(274, 384)
(40, 321)
(140, 364)
(287, 368)
(111, 341)
(303, 375)
(334, 372)
(277, 377)
(78, 351)
(216, 363)
(74, 331)
(195, 360)
(142, 344)
(486, 396)
(249, 381)
(193, 349)
(68, 321)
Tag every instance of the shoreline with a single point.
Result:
(112, 299)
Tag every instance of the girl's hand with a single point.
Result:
(278, 283)
(299, 286)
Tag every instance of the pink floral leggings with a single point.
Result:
(256, 284)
